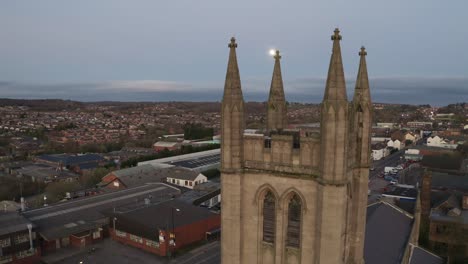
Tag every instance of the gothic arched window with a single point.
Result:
(293, 236)
(269, 214)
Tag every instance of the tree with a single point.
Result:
(56, 191)
(197, 131)
(408, 142)
(90, 179)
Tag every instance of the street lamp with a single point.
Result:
(113, 223)
(172, 235)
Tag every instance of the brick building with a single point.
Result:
(18, 240)
(163, 228)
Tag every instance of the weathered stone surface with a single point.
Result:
(327, 172)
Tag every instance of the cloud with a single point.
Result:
(393, 89)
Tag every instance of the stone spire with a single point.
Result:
(232, 115)
(362, 92)
(232, 86)
(334, 115)
(335, 87)
(359, 161)
(276, 108)
(361, 114)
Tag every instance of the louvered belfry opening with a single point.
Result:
(293, 238)
(269, 218)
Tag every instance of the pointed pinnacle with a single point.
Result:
(277, 56)
(363, 51)
(336, 35)
(233, 43)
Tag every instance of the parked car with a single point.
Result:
(393, 182)
(389, 178)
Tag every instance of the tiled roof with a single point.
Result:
(387, 231)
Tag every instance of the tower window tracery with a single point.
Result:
(293, 235)
(269, 214)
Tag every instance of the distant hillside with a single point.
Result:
(42, 104)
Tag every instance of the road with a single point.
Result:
(375, 182)
(207, 254)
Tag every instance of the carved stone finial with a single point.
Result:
(363, 51)
(277, 56)
(337, 35)
(233, 43)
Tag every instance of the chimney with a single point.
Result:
(465, 202)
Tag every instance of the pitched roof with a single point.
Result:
(67, 159)
(11, 222)
(74, 216)
(139, 175)
(181, 173)
(387, 231)
(422, 256)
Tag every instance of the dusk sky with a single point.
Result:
(150, 50)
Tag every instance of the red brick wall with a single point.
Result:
(185, 235)
(80, 241)
(161, 251)
(29, 260)
(189, 234)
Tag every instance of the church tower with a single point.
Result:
(276, 106)
(290, 197)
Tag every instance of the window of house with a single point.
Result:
(151, 243)
(6, 259)
(21, 238)
(120, 233)
(5, 242)
(186, 183)
(269, 224)
(96, 234)
(293, 235)
(190, 183)
(136, 239)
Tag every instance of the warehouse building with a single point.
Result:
(81, 222)
(199, 161)
(163, 228)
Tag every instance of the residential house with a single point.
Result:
(379, 150)
(185, 177)
(134, 176)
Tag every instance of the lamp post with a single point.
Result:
(172, 242)
(29, 226)
(113, 224)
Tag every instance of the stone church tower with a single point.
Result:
(291, 197)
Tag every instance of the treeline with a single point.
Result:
(167, 153)
(197, 131)
(11, 186)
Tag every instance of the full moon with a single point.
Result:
(272, 52)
